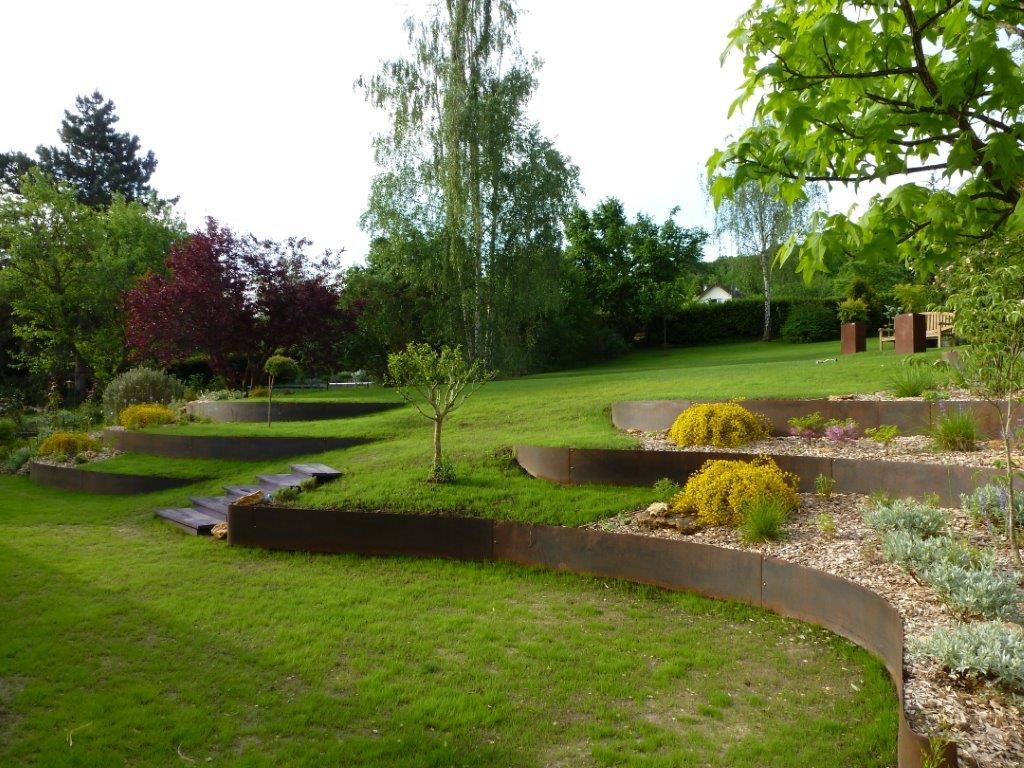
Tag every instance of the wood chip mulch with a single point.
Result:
(987, 723)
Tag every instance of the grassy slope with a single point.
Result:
(565, 408)
(124, 643)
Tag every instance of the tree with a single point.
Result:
(986, 290)
(231, 299)
(467, 173)
(63, 268)
(757, 221)
(857, 91)
(436, 383)
(99, 162)
(632, 271)
(278, 368)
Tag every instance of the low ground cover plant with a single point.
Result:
(984, 651)
(955, 429)
(883, 434)
(67, 444)
(665, 489)
(814, 425)
(906, 515)
(145, 415)
(971, 591)
(723, 425)
(718, 493)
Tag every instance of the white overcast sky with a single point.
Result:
(250, 109)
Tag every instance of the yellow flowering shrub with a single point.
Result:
(145, 415)
(67, 444)
(723, 425)
(720, 489)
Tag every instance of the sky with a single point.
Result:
(251, 110)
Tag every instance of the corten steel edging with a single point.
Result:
(913, 417)
(223, 447)
(257, 412)
(840, 606)
(363, 533)
(598, 466)
(106, 483)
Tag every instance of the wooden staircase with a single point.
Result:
(208, 511)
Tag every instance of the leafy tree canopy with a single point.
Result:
(98, 161)
(926, 92)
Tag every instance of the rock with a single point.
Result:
(657, 509)
(249, 500)
(685, 524)
(219, 531)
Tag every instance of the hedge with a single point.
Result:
(736, 320)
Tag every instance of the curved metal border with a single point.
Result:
(585, 466)
(256, 412)
(222, 447)
(107, 483)
(913, 417)
(840, 606)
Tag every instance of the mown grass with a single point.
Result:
(125, 643)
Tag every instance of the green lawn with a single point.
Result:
(125, 643)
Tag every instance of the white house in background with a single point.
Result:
(717, 294)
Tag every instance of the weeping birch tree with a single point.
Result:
(464, 169)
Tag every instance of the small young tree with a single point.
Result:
(436, 383)
(278, 368)
(986, 289)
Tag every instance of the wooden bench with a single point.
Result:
(937, 325)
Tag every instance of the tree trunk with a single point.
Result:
(1011, 534)
(766, 277)
(437, 442)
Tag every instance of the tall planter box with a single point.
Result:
(910, 334)
(853, 337)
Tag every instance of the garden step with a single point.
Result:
(212, 504)
(282, 480)
(237, 491)
(190, 520)
(321, 472)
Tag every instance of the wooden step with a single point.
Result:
(215, 506)
(283, 480)
(194, 521)
(235, 491)
(321, 472)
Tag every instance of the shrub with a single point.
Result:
(764, 519)
(65, 421)
(665, 489)
(8, 432)
(824, 485)
(15, 461)
(854, 311)
(730, 321)
(955, 430)
(809, 322)
(258, 392)
(987, 506)
(916, 554)
(912, 380)
(975, 592)
(808, 427)
(883, 434)
(723, 425)
(826, 524)
(286, 494)
(67, 444)
(213, 395)
(977, 652)
(147, 415)
(906, 515)
(718, 492)
(842, 431)
(137, 386)
(442, 471)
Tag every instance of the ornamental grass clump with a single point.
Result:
(764, 519)
(913, 380)
(146, 415)
(722, 425)
(67, 444)
(979, 652)
(718, 493)
(955, 430)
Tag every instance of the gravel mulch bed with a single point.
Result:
(913, 448)
(987, 723)
(955, 394)
(86, 457)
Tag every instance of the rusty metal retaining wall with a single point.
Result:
(220, 447)
(257, 411)
(913, 417)
(74, 479)
(583, 466)
(845, 608)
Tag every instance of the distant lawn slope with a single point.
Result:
(566, 408)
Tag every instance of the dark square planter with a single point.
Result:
(910, 334)
(853, 337)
